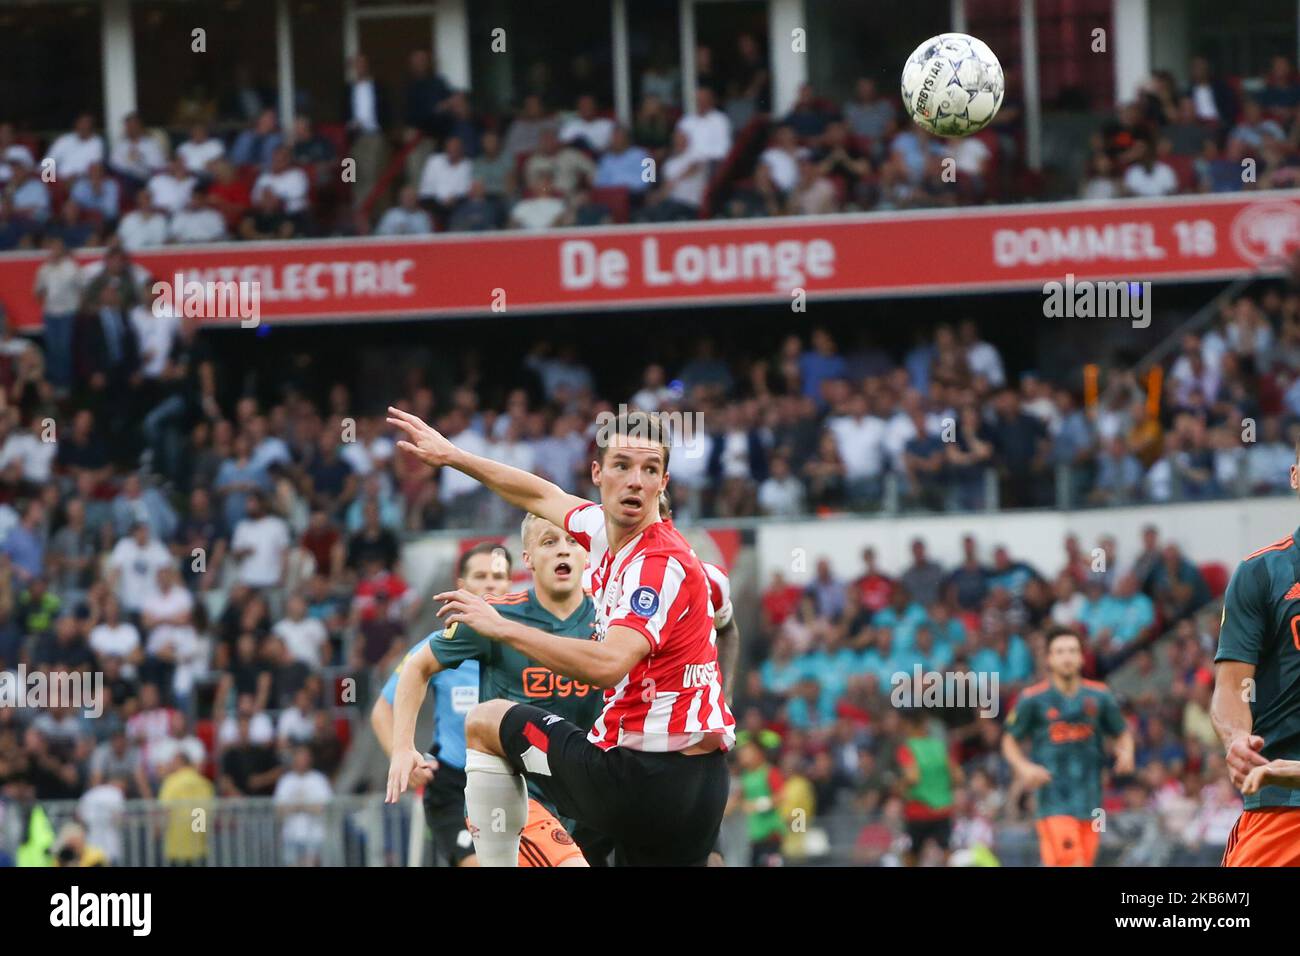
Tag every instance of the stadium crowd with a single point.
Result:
(228, 563)
(825, 716)
(246, 173)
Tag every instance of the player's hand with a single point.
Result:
(1124, 765)
(1275, 773)
(422, 440)
(407, 769)
(1244, 756)
(1035, 776)
(471, 610)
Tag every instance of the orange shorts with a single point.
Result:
(1269, 837)
(1065, 841)
(544, 841)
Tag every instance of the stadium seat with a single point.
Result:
(1216, 577)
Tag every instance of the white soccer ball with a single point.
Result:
(952, 85)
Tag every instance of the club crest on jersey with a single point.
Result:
(645, 601)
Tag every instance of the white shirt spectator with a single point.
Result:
(709, 134)
(445, 181)
(540, 212)
(73, 155)
(197, 225)
(1159, 180)
(294, 727)
(688, 178)
(781, 498)
(157, 335)
(267, 538)
(303, 789)
(138, 569)
(141, 230)
(783, 166)
(118, 640)
(62, 284)
(597, 131)
(35, 456)
(290, 185)
(16, 153)
(970, 155)
(140, 158)
(304, 639)
(260, 730)
(861, 442)
(164, 751)
(196, 156)
(365, 114)
(983, 359)
(169, 193)
(100, 809)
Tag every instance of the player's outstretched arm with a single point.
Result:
(407, 767)
(381, 722)
(1230, 713)
(600, 663)
(519, 488)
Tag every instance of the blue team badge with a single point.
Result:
(645, 601)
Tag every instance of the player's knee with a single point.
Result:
(483, 725)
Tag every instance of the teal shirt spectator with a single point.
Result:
(884, 667)
(805, 716)
(1125, 618)
(1013, 578)
(1016, 666)
(902, 625)
(779, 678)
(831, 670)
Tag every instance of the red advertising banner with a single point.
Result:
(852, 256)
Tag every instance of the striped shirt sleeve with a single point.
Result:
(650, 585)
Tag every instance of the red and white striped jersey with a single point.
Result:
(672, 699)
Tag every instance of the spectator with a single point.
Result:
(145, 226)
(259, 545)
(406, 218)
(137, 154)
(198, 221)
(544, 209)
(586, 128)
(199, 151)
(74, 152)
(707, 129)
(301, 795)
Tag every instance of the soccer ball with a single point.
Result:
(952, 85)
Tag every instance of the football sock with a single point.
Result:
(496, 799)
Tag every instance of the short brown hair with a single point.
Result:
(632, 425)
(1061, 630)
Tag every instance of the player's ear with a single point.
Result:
(1295, 477)
(595, 471)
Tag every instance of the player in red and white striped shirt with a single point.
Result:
(651, 772)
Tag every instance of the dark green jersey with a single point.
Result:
(1261, 626)
(1066, 735)
(506, 674)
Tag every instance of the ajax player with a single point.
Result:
(1065, 719)
(1256, 705)
(651, 773)
(556, 605)
(483, 569)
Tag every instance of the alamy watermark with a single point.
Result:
(682, 431)
(79, 690)
(1087, 299)
(945, 689)
(214, 299)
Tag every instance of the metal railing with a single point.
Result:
(363, 831)
(245, 831)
